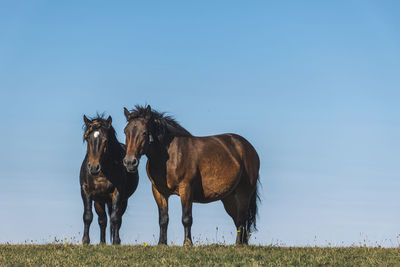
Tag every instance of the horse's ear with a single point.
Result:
(127, 113)
(109, 121)
(86, 120)
(148, 112)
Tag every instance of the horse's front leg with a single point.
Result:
(185, 193)
(163, 218)
(116, 218)
(87, 215)
(101, 212)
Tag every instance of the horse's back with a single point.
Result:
(237, 145)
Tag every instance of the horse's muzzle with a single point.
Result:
(94, 168)
(131, 163)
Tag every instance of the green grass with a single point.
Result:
(214, 255)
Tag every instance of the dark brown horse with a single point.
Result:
(198, 169)
(104, 179)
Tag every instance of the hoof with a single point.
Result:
(117, 242)
(85, 241)
(187, 243)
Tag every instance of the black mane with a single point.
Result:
(165, 123)
(99, 122)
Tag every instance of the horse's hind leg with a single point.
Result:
(230, 207)
(242, 202)
(102, 219)
(236, 205)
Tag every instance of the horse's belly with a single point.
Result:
(209, 197)
(215, 180)
(214, 188)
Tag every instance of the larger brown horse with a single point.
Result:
(104, 179)
(199, 169)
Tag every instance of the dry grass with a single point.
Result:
(214, 255)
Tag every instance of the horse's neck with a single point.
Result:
(158, 152)
(157, 158)
(156, 169)
(113, 154)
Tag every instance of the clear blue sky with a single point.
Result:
(313, 85)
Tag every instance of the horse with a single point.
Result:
(104, 179)
(198, 169)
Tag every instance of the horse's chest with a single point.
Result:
(164, 182)
(100, 186)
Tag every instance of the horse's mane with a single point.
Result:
(99, 121)
(165, 124)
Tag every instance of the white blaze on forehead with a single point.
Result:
(96, 134)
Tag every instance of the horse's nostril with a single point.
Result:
(135, 162)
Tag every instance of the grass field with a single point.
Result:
(214, 255)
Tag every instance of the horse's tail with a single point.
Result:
(253, 211)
